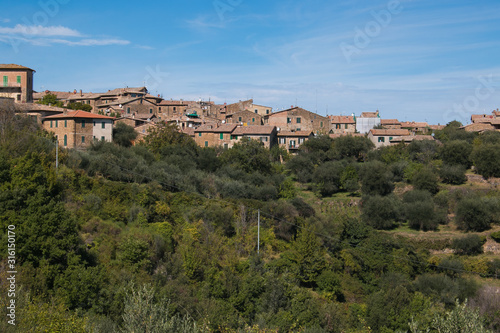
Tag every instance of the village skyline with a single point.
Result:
(412, 60)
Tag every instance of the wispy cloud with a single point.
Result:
(4, 20)
(144, 47)
(38, 30)
(41, 36)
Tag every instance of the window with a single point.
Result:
(221, 136)
(297, 129)
(56, 123)
(150, 110)
(18, 97)
(51, 124)
(239, 118)
(234, 137)
(133, 95)
(103, 138)
(283, 140)
(128, 110)
(94, 123)
(19, 79)
(390, 138)
(175, 109)
(345, 126)
(256, 111)
(83, 139)
(83, 123)
(301, 140)
(321, 124)
(199, 134)
(65, 140)
(253, 120)
(206, 143)
(288, 120)
(103, 125)
(267, 111)
(292, 143)
(337, 126)
(226, 146)
(65, 123)
(5, 81)
(381, 139)
(298, 120)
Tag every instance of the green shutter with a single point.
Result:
(65, 140)
(83, 123)
(222, 136)
(83, 139)
(5, 81)
(19, 79)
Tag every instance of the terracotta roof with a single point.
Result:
(437, 127)
(480, 118)
(296, 133)
(390, 122)
(14, 66)
(73, 96)
(412, 124)
(188, 130)
(496, 113)
(120, 91)
(79, 114)
(369, 114)
(342, 119)
(215, 128)
(254, 130)
(167, 102)
(412, 138)
(390, 132)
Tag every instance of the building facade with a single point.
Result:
(17, 82)
(297, 119)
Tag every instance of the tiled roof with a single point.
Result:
(437, 127)
(170, 102)
(296, 133)
(120, 91)
(79, 114)
(188, 130)
(390, 122)
(390, 132)
(342, 119)
(412, 124)
(14, 66)
(369, 114)
(254, 130)
(27, 107)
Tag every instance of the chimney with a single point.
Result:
(81, 94)
(74, 91)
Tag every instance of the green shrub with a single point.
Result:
(496, 236)
(472, 214)
(380, 212)
(468, 245)
(426, 180)
(453, 174)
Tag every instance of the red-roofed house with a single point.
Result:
(383, 137)
(292, 141)
(77, 129)
(214, 135)
(390, 123)
(265, 134)
(413, 126)
(342, 124)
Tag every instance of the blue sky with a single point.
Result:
(432, 61)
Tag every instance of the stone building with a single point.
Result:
(342, 124)
(264, 134)
(214, 135)
(17, 82)
(390, 123)
(244, 117)
(77, 129)
(291, 141)
(297, 119)
(383, 137)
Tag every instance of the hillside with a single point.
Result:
(162, 237)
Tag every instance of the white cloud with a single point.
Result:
(90, 42)
(38, 30)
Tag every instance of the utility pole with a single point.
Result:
(258, 231)
(57, 154)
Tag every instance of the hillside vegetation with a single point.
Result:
(162, 236)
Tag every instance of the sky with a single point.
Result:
(414, 60)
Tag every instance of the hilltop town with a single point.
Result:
(208, 123)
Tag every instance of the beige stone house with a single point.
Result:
(342, 124)
(291, 141)
(16, 82)
(265, 134)
(297, 119)
(77, 129)
(383, 137)
(214, 135)
(244, 117)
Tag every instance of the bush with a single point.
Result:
(468, 245)
(327, 177)
(376, 179)
(453, 174)
(380, 212)
(496, 236)
(456, 152)
(472, 214)
(426, 180)
(419, 210)
(486, 158)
